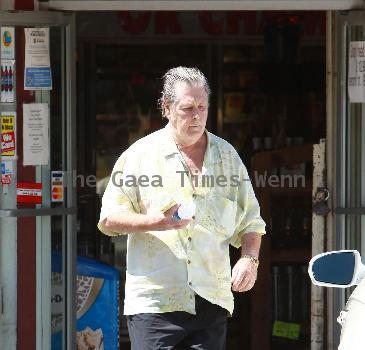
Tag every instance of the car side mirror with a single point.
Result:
(342, 269)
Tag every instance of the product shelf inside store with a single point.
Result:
(269, 160)
(287, 212)
(290, 256)
(293, 191)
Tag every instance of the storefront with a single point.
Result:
(267, 72)
(279, 82)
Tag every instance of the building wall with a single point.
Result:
(6, 5)
(25, 5)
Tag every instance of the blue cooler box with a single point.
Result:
(97, 296)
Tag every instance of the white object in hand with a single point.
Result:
(185, 211)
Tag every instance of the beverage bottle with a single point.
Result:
(305, 227)
(6, 73)
(10, 79)
(185, 211)
(288, 227)
(2, 75)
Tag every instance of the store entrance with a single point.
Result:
(37, 200)
(267, 75)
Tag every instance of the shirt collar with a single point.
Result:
(169, 147)
(212, 154)
(168, 144)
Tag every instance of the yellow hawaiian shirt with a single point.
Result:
(166, 268)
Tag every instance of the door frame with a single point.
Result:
(339, 158)
(68, 211)
(193, 5)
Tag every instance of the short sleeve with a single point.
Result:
(117, 196)
(248, 217)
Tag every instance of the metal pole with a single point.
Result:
(318, 231)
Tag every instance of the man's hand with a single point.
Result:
(244, 275)
(128, 222)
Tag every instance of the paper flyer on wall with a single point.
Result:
(37, 70)
(35, 134)
(7, 73)
(356, 71)
(8, 135)
(7, 43)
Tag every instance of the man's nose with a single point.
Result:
(196, 113)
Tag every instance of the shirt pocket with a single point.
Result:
(218, 214)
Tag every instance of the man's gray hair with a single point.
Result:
(190, 76)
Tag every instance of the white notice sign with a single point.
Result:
(356, 76)
(35, 134)
(37, 70)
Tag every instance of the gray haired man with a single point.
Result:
(179, 280)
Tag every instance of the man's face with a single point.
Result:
(188, 116)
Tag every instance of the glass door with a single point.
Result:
(37, 198)
(349, 139)
(350, 194)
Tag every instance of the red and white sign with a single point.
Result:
(29, 193)
(8, 132)
(8, 142)
(6, 172)
(6, 179)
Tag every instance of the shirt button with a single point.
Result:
(190, 284)
(189, 239)
(194, 195)
(189, 261)
(193, 217)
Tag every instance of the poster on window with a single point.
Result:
(356, 73)
(37, 70)
(35, 134)
(8, 135)
(7, 43)
(7, 72)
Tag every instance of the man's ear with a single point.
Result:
(166, 109)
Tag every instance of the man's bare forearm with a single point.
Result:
(251, 243)
(129, 222)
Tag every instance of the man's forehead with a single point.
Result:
(190, 92)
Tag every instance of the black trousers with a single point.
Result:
(180, 330)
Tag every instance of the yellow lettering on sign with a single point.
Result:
(7, 126)
(286, 330)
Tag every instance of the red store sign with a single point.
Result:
(193, 24)
(214, 23)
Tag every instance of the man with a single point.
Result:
(179, 280)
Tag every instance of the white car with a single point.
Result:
(343, 269)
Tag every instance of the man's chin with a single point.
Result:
(196, 129)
